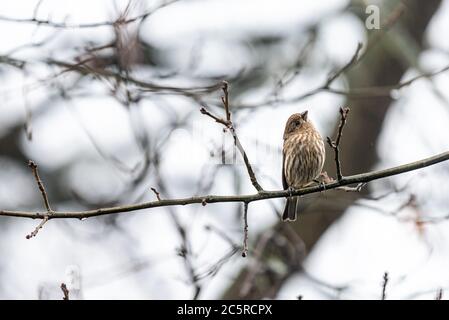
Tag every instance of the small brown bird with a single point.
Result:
(303, 158)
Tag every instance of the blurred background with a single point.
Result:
(105, 95)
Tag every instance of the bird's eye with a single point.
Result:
(297, 123)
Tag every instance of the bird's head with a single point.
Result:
(296, 123)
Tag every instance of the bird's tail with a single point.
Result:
(290, 209)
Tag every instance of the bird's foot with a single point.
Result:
(290, 190)
(323, 179)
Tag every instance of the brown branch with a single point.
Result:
(65, 291)
(40, 184)
(439, 295)
(39, 226)
(384, 91)
(336, 144)
(245, 230)
(185, 249)
(264, 195)
(33, 167)
(251, 174)
(365, 93)
(225, 100)
(369, 92)
(217, 119)
(146, 86)
(255, 263)
(229, 125)
(323, 87)
(158, 195)
(342, 70)
(62, 25)
(384, 286)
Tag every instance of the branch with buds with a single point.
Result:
(208, 199)
(336, 144)
(228, 124)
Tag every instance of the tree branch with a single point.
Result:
(158, 195)
(342, 70)
(384, 286)
(245, 230)
(65, 291)
(228, 124)
(335, 145)
(39, 226)
(264, 195)
(33, 167)
(40, 184)
(122, 20)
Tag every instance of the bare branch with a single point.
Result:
(383, 91)
(245, 230)
(33, 167)
(347, 181)
(324, 87)
(82, 68)
(65, 291)
(225, 100)
(384, 286)
(439, 295)
(217, 119)
(342, 70)
(336, 144)
(158, 195)
(39, 226)
(251, 174)
(63, 25)
(40, 184)
(228, 124)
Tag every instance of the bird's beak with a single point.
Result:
(304, 115)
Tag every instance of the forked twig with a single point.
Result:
(335, 145)
(229, 125)
(41, 187)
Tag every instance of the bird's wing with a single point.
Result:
(284, 181)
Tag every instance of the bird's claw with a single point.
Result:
(321, 183)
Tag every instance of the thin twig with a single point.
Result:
(348, 180)
(439, 295)
(255, 264)
(242, 151)
(33, 167)
(185, 249)
(65, 291)
(217, 119)
(360, 93)
(322, 88)
(39, 226)
(225, 100)
(384, 286)
(40, 184)
(342, 70)
(158, 195)
(245, 230)
(121, 20)
(229, 125)
(335, 145)
(146, 86)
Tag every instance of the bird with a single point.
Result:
(303, 158)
